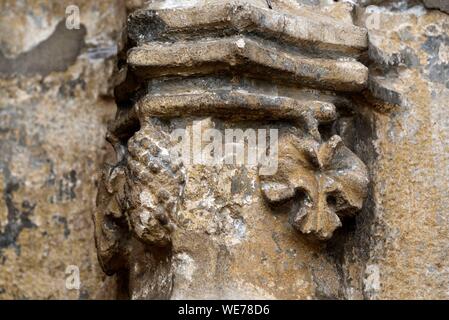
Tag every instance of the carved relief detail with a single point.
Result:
(235, 61)
(141, 194)
(319, 182)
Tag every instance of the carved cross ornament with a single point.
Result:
(321, 181)
(236, 61)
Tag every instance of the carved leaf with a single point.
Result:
(323, 182)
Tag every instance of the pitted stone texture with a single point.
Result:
(51, 144)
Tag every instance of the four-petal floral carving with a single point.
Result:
(320, 182)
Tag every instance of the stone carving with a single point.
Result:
(236, 61)
(320, 181)
(141, 192)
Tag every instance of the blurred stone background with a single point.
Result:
(56, 98)
(55, 101)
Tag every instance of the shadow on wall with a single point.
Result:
(55, 54)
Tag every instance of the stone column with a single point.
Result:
(173, 225)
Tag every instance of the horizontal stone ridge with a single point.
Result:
(240, 17)
(226, 104)
(233, 103)
(249, 56)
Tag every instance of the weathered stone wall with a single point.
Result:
(399, 249)
(55, 100)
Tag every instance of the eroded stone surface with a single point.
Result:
(437, 4)
(55, 101)
(319, 182)
(399, 244)
(182, 229)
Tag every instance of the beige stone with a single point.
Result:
(55, 101)
(182, 229)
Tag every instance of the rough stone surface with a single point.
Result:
(437, 4)
(399, 245)
(55, 101)
(172, 228)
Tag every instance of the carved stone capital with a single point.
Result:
(236, 62)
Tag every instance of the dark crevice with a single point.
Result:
(17, 219)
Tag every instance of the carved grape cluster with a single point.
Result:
(154, 185)
(140, 193)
